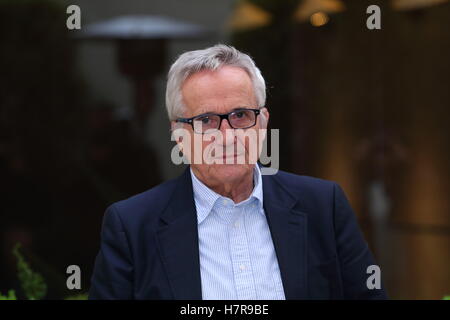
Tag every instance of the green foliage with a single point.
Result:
(32, 283)
(81, 296)
(11, 296)
(446, 298)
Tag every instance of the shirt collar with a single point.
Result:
(205, 198)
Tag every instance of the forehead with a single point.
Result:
(218, 91)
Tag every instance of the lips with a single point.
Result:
(235, 156)
(225, 157)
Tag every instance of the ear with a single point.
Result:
(265, 117)
(173, 126)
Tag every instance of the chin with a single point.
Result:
(230, 172)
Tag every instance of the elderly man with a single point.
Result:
(222, 230)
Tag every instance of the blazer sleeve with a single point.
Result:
(353, 252)
(113, 271)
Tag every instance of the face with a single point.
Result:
(221, 91)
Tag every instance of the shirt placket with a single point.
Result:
(240, 256)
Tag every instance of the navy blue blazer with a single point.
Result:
(149, 243)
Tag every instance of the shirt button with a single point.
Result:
(236, 224)
(224, 202)
(242, 267)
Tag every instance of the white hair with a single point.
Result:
(211, 58)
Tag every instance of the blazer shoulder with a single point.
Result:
(147, 204)
(304, 183)
(313, 194)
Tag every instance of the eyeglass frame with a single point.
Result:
(221, 116)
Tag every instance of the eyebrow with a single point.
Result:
(234, 109)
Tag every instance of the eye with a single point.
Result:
(204, 120)
(240, 114)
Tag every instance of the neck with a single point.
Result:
(237, 190)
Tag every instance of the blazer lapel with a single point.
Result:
(288, 228)
(177, 237)
(178, 242)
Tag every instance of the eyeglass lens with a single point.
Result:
(238, 120)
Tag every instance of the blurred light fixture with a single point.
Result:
(319, 19)
(248, 16)
(414, 4)
(141, 44)
(307, 8)
(141, 27)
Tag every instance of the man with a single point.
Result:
(223, 230)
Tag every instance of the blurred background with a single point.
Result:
(83, 121)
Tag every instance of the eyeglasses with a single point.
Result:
(237, 119)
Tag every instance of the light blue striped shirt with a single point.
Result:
(237, 256)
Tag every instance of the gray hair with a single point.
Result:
(211, 58)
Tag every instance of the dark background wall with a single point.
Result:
(365, 108)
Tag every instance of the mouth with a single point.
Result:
(224, 156)
(232, 156)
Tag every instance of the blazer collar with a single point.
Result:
(177, 238)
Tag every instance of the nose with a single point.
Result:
(226, 139)
(224, 125)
